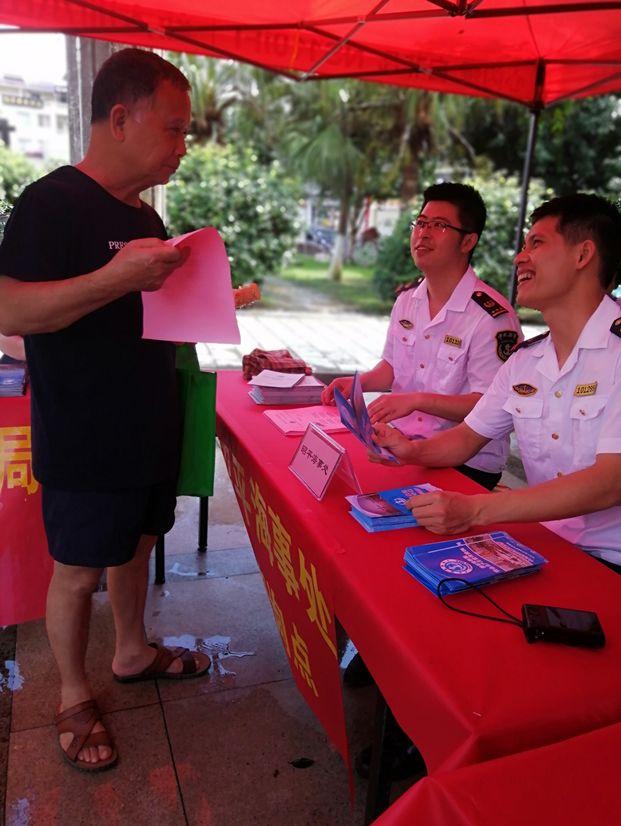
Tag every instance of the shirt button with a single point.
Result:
(421, 365)
(451, 358)
(559, 473)
(582, 413)
(518, 409)
(555, 435)
(427, 335)
(420, 418)
(558, 394)
(404, 338)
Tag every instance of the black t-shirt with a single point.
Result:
(104, 401)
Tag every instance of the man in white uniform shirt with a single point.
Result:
(447, 337)
(560, 392)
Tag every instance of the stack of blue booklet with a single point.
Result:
(479, 560)
(13, 379)
(386, 510)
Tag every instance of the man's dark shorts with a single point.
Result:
(101, 530)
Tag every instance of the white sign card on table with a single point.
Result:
(318, 459)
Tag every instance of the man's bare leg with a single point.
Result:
(127, 588)
(67, 619)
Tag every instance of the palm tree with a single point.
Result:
(216, 85)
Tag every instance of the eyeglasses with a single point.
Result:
(421, 224)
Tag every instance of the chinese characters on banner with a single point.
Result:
(25, 565)
(298, 596)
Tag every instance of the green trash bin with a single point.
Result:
(197, 398)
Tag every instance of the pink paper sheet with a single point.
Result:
(196, 302)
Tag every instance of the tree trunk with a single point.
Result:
(416, 139)
(335, 271)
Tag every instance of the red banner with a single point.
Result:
(25, 565)
(301, 599)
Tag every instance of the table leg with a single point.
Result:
(160, 573)
(203, 518)
(378, 790)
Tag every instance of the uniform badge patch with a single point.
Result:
(615, 327)
(454, 341)
(487, 303)
(505, 342)
(586, 389)
(524, 389)
(406, 323)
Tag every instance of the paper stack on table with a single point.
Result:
(386, 510)
(295, 422)
(473, 560)
(272, 387)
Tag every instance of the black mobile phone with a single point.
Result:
(545, 623)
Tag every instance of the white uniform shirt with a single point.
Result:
(458, 352)
(563, 418)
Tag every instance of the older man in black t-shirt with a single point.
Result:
(78, 248)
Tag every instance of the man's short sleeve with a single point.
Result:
(37, 237)
(490, 348)
(487, 417)
(609, 440)
(389, 345)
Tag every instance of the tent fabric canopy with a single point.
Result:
(530, 51)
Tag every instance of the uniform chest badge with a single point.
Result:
(586, 389)
(524, 389)
(505, 342)
(406, 323)
(454, 341)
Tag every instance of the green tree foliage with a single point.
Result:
(493, 256)
(252, 206)
(357, 141)
(578, 141)
(394, 264)
(16, 172)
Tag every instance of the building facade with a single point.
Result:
(34, 119)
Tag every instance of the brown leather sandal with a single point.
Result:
(80, 720)
(157, 670)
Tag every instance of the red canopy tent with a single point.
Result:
(533, 52)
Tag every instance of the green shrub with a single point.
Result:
(493, 256)
(394, 262)
(16, 172)
(252, 206)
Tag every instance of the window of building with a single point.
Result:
(44, 120)
(62, 123)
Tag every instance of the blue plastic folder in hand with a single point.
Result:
(355, 417)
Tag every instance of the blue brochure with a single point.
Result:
(13, 379)
(355, 417)
(386, 510)
(479, 560)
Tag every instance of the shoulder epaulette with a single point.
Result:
(487, 303)
(530, 341)
(615, 327)
(409, 285)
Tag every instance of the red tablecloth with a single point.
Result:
(464, 689)
(572, 783)
(25, 565)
